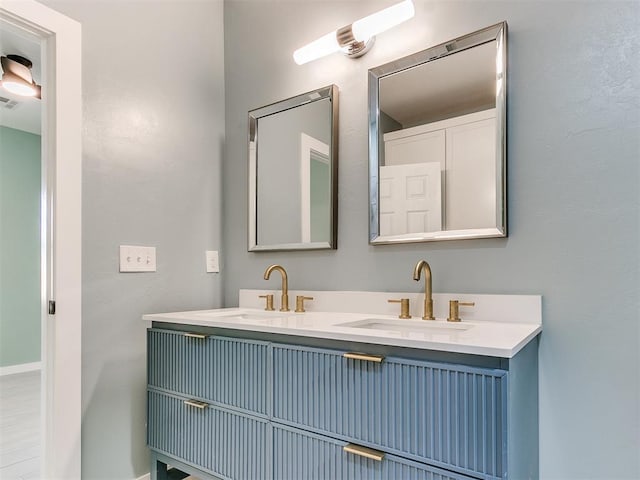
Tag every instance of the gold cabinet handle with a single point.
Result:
(364, 452)
(197, 404)
(363, 356)
(195, 335)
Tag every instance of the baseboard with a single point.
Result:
(22, 368)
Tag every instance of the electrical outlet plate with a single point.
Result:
(137, 258)
(213, 262)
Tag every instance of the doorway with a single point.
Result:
(60, 228)
(20, 319)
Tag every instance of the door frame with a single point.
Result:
(308, 145)
(61, 230)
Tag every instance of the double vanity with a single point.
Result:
(345, 389)
(362, 385)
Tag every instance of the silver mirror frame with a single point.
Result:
(497, 33)
(330, 92)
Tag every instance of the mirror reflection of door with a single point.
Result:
(410, 199)
(410, 183)
(315, 198)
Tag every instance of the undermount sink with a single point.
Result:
(407, 326)
(238, 315)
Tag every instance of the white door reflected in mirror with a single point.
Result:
(410, 199)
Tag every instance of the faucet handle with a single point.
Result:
(454, 311)
(404, 307)
(300, 303)
(269, 298)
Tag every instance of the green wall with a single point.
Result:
(19, 247)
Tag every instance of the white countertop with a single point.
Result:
(477, 336)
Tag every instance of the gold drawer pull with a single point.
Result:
(364, 356)
(197, 404)
(363, 452)
(195, 335)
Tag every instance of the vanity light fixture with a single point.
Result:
(17, 78)
(356, 39)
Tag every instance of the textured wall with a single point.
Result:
(574, 130)
(153, 97)
(19, 247)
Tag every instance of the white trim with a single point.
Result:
(61, 47)
(21, 368)
(441, 124)
(145, 477)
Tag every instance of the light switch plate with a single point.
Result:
(137, 258)
(213, 263)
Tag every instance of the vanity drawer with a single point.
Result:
(304, 455)
(219, 441)
(448, 415)
(225, 371)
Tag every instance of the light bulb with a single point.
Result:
(370, 26)
(325, 45)
(19, 88)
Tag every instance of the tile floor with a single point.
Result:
(20, 426)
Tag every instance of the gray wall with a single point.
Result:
(19, 247)
(574, 130)
(153, 131)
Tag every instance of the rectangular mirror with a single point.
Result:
(293, 170)
(437, 142)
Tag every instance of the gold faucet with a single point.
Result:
(428, 300)
(454, 312)
(284, 303)
(404, 307)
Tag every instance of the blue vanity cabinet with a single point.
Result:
(446, 415)
(275, 407)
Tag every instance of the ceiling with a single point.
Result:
(449, 86)
(26, 112)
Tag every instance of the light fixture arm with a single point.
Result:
(349, 45)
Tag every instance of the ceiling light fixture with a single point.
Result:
(356, 39)
(17, 78)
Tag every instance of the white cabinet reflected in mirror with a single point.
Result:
(437, 138)
(293, 166)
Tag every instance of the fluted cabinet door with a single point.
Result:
(219, 441)
(449, 415)
(221, 370)
(302, 455)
